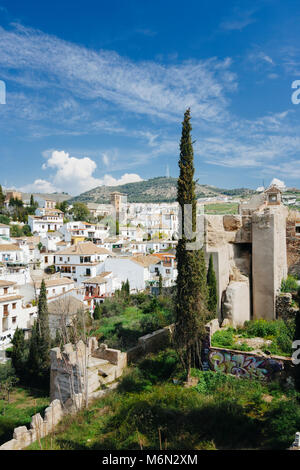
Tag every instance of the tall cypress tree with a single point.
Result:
(40, 341)
(18, 355)
(2, 198)
(212, 301)
(43, 325)
(191, 295)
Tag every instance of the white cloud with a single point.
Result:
(39, 186)
(276, 182)
(74, 175)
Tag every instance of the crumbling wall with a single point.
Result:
(82, 369)
(39, 428)
(151, 343)
(293, 244)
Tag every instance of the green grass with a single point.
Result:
(221, 208)
(149, 411)
(24, 403)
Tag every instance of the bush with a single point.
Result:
(289, 284)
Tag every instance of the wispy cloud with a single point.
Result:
(238, 20)
(40, 61)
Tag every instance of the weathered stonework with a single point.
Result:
(39, 428)
(83, 369)
(250, 245)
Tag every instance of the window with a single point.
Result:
(5, 290)
(14, 319)
(298, 229)
(5, 309)
(53, 291)
(46, 259)
(88, 272)
(14, 305)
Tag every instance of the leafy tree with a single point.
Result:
(80, 211)
(212, 301)
(191, 295)
(4, 219)
(16, 231)
(63, 206)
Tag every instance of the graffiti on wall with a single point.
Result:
(244, 365)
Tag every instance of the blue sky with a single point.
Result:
(96, 91)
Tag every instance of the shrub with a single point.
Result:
(289, 284)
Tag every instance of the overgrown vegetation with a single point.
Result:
(289, 284)
(121, 320)
(17, 404)
(151, 409)
(280, 333)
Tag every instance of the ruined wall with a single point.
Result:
(82, 369)
(293, 244)
(151, 343)
(243, 364)
(39, 428)
(269, 264)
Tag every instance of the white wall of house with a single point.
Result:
(124, 269)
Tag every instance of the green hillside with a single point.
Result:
(160, 189)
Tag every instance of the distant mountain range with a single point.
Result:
(160, 189)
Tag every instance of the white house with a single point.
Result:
(4, 230)
(45, 220)
(54, 287)
(81, 261)
(135, 268)
(12, 312)
(99, 287)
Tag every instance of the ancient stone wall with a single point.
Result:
(293, 244)
(39, 428)
(83, 369)
(150, 343)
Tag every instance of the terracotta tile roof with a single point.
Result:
(4, 283)
(100, 279)
(88, 248)
(145, 261)
(9, 247)
(54, 282)
(9, 298)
